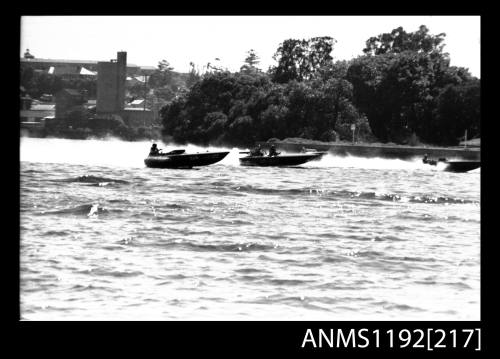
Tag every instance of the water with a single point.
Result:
(103, 237)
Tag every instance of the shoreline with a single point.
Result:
(378, 150)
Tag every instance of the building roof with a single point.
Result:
(84, 71)
(74, 62)
(43, 107)
(135, 109)
(137, 102)
(58, 61)
(62, 71)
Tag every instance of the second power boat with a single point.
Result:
(257, 158)
(453, 165)
(180, 159)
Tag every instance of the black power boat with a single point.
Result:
(281, 160)
(454, 165)
(461, 166)
(180, 159)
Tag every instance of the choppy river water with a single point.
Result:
(345, 238)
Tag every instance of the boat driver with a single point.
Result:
(154, 150)
(257, 152)
(272, 151)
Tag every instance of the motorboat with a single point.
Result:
(280, 159)
(180, 159)
(461, 166)
(454, 165)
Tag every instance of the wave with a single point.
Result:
(231, 247)
(392, 197)
(92, 180)
(89, 210)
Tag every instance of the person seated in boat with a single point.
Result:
(272, 151)
(428, 161)
(257, 151)
(154, 150)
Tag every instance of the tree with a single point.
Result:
(164, 93)
(457, 109)
(242, 130)
(366, 74)
(214, 125)
(301, 59)
(198, 115)
(399, 93)
(193, 76)
(162, 76)
(250, 62)
(398, 40)
(164, 66)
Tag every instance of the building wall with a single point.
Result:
(107, 87)
(122, 78)
(111, 80)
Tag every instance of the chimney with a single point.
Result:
(121, 57)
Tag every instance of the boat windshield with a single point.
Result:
(175, 152)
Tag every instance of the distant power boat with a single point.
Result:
(461, 166)
(280, 160)
(180, 159)
(454, 165)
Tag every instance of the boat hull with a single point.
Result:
(184, 160)
(462, 166)
(281, 160)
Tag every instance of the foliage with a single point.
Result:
(251, 62)
(301, 59)
(241, 108)
(401, 92)
(398, 40)
(457, 109)
(193, 76)
(37, 83)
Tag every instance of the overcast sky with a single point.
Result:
(201, 39)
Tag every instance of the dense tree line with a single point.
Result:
(403, 86)
(408, 87)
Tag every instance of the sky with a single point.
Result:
(202, 39)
